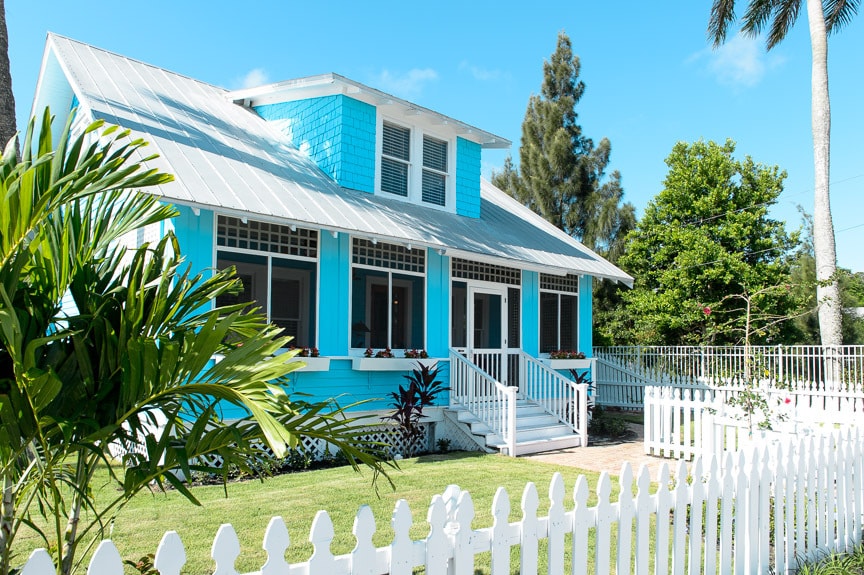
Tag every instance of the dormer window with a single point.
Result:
(415, 165)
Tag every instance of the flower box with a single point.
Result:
(314, 363)
(388, 363)
(568, 363)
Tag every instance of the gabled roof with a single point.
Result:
(225, 157)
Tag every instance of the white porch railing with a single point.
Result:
(482, 377)
(797, 366)
(489, 400)
(557, 395)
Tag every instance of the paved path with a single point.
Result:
(609, 456)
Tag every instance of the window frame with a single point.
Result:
(559, 294)
(369, 281)
(416, 167)
(310, 293)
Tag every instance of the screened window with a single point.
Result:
(559, 325)
(395, 158)
(387, 296)
(434, 171)
(282, 288)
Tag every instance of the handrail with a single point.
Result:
(556, 394)
(491, 401)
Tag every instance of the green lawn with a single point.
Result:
(297, 497)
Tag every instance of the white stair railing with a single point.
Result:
(556, 394)
(489, 400)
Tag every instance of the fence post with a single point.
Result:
(511, 420)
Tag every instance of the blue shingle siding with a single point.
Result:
(467, 178)
(338, 132)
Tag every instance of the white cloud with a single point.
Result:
(740, 62)
(409, 84)
(254, 78)
(479, 73)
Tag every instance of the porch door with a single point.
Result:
(487, 330)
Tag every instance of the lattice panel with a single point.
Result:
(568, 283)
(459, 439)
(467, 269)
(389, 256)
(316, 448)
(266, 237)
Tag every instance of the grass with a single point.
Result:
(835, 564)
(298, 497)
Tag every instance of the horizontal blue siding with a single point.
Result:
(348, 386)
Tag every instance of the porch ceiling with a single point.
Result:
(227, 158)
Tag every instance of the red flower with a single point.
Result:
(788, 400)
(706, 310)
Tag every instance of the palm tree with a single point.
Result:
(824, 17)
(136, 346)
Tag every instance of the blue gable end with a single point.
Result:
(338, 132)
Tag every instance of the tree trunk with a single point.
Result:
(827, 287)
(827, 290)
(7, 99)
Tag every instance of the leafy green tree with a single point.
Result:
(133, 347)
(824, 17)
(803, 274)
(702, 240)
(563, 174)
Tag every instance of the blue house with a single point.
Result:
(360, 221)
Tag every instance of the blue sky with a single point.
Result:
(652, 79)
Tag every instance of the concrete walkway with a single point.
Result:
(609, 456)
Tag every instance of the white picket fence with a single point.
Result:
(761, 511)
(683, 423)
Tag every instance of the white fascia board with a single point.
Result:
(333, 84)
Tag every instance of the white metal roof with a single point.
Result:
(225, 157)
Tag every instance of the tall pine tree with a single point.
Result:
(563, 174)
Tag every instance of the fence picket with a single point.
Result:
(437, 542)
(605, 516)
(462, 540)
(626, 512)
(530, 559)
(712, 497)
(582, 520)
(697, 500)
(276, 542)
(644, 510)
(558, 527)
(226, 550)
(401, 556)
(661, 539)
(501, 532)
(363, 555)
(681, 498)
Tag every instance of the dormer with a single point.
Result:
(376, 143)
